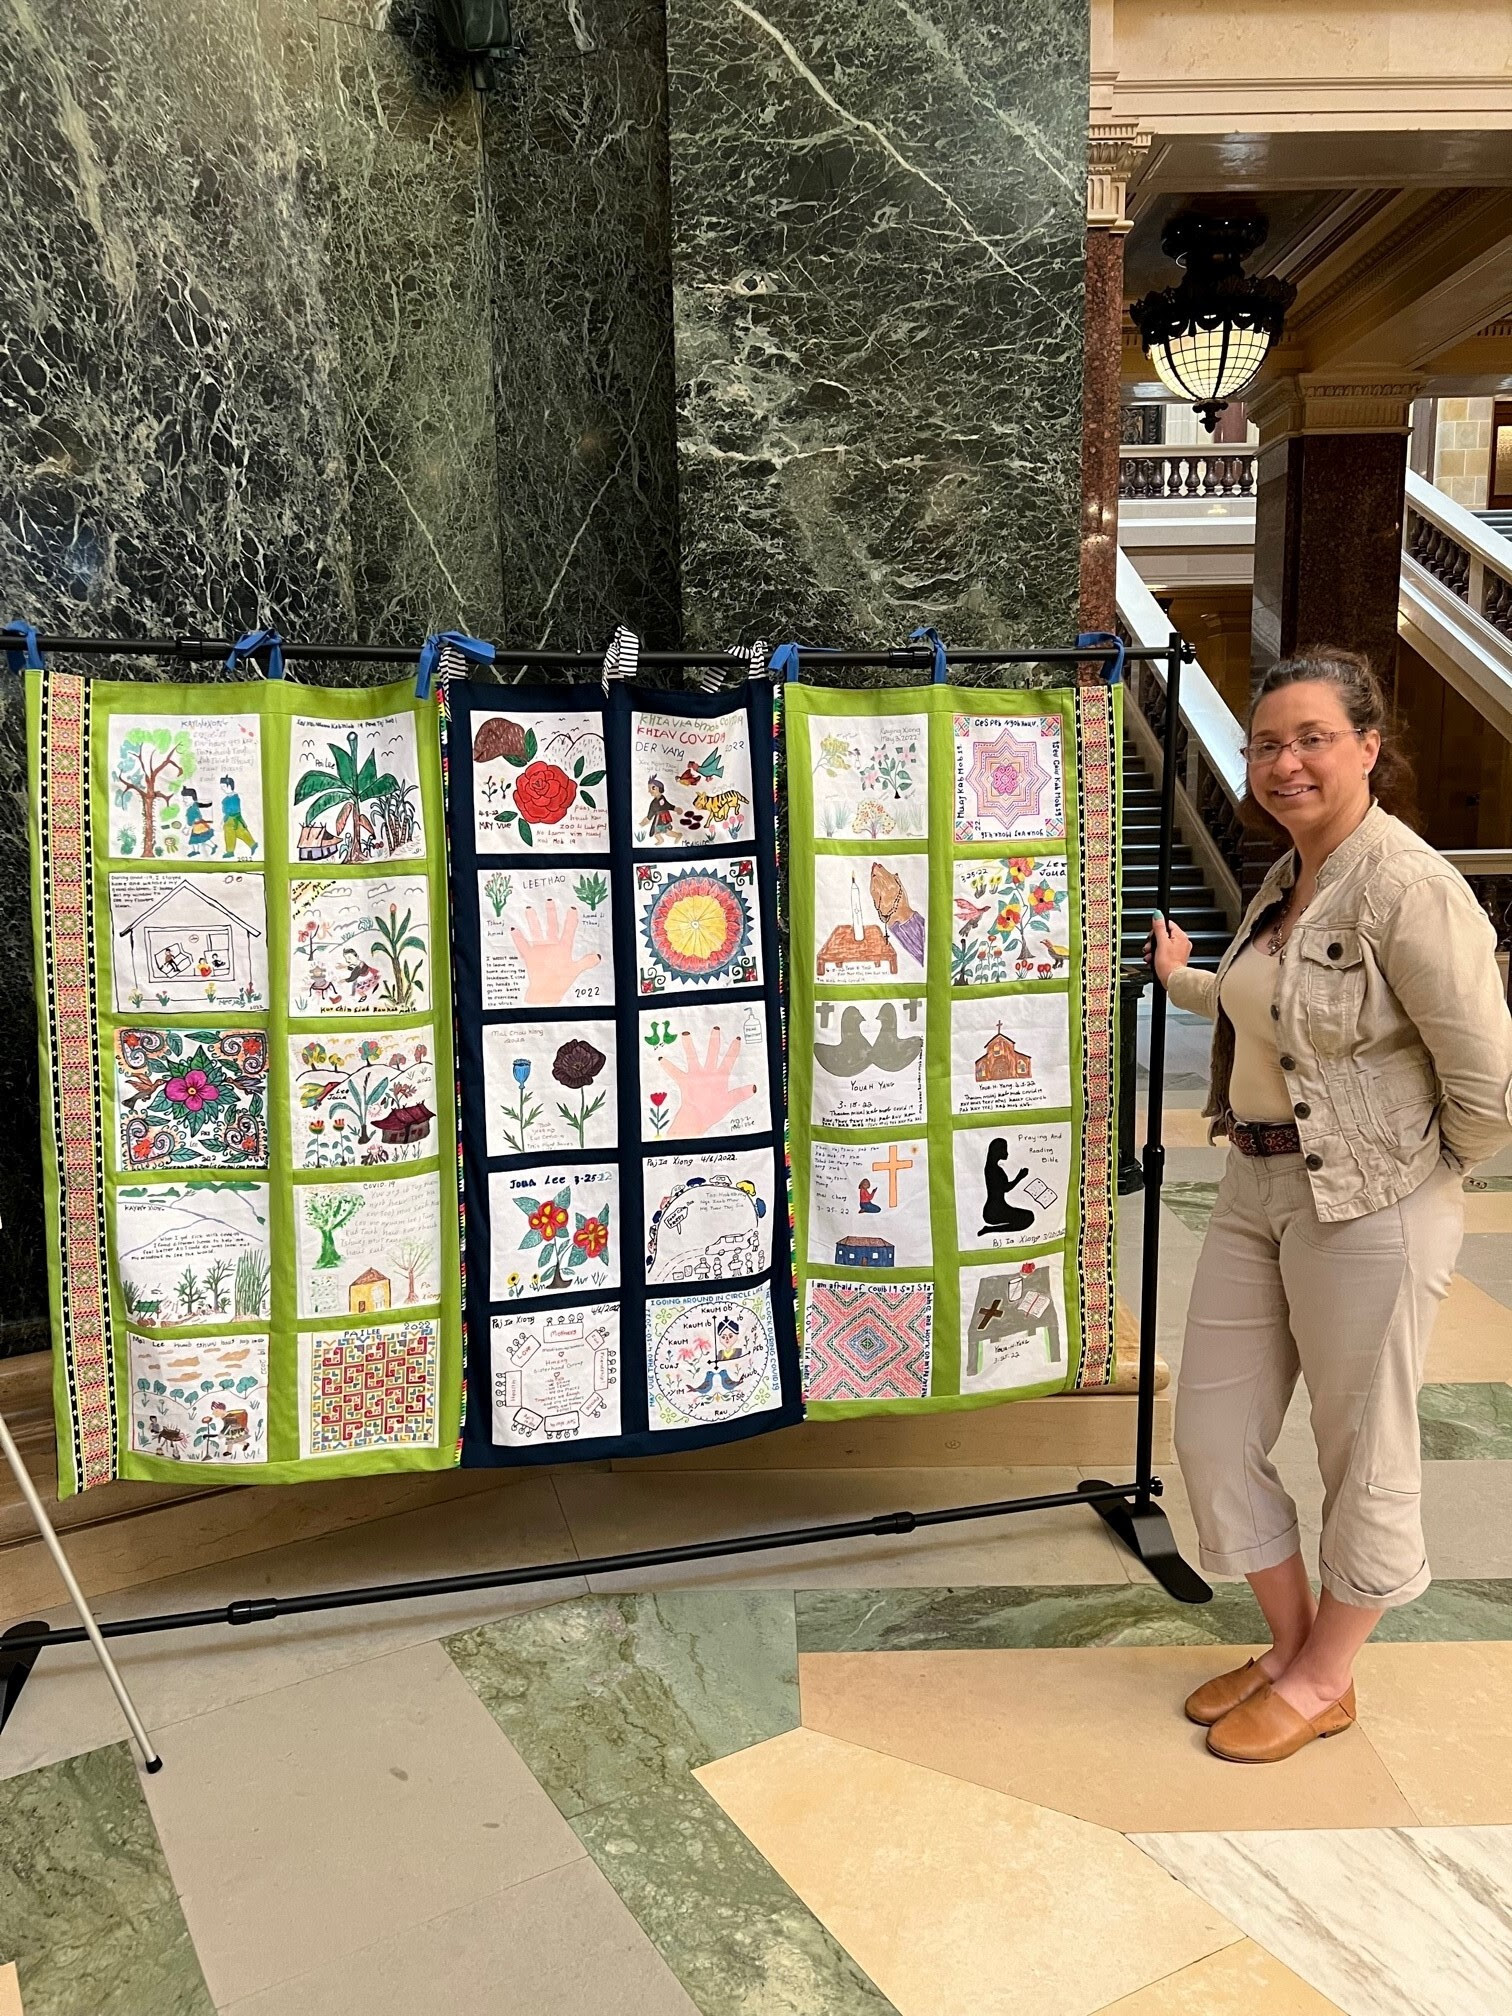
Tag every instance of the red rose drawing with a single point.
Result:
(543, 793)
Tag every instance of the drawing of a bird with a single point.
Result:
(700, 773)
(850, 1056)
(313, 1095)
(1061, 952)
(890, 1051)
(970, 914)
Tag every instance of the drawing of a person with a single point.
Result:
(869, 1196)
(659, 811)
(201, 826)
(234, 829)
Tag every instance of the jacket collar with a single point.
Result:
(1368, 834)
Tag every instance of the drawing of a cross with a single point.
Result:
(913, 1004)
(892, 1168)
(989, 1316)
(826, 1009)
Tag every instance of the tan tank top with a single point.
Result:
(1257, 1090)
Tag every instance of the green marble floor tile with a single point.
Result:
(87, 1907)
(716, 1910)
(1451, 1613)
(1192, 1203)
(1461, 1421)
(608, 1695)
(921, 1620)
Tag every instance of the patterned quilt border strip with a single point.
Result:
(1097, 826)
(67, 879)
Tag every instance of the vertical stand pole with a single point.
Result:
(1142, 1526)
(15, 1679)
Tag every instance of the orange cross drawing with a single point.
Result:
(892, 1169)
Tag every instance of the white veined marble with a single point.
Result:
(1398, 1921)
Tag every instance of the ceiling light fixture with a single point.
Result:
(1208, 336)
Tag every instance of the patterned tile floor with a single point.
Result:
(938, 1774)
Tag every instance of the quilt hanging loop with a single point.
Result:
(785, 663)
(19, 642)
(437, 652)
(927, 634)
(1103, 644)
(622, 656)
(752, 656)
(254, 642)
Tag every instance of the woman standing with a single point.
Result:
(1362, 1061)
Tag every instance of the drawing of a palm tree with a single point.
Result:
(345, 789)
(394, 939)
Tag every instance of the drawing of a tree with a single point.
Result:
(187, 1290)
(394, 939)
(150, 758)
(217, 1274)
(411, 1260)
(497, 889)
(397, 811)
(346, 788)
(327, 1215)
(253, 1277)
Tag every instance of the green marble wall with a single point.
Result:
(878, 212)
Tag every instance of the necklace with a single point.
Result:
(1275, 944)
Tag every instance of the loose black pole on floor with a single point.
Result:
(1129, 1509)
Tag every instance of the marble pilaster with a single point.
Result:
(1114, 148)
(877, 225)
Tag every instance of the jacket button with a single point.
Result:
(1336, 950)
(1288, 1063)
(1302, 1110)
(1315, 1161)
(1275, 1013)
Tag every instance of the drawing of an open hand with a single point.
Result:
(547, 954)
(706, 1093)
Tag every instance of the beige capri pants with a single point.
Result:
(1351, 1306)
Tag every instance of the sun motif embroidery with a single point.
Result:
(698, 926)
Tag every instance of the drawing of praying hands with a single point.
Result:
(546, 952)
(706, 1096)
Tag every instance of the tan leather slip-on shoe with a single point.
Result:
(1218, 1697)
(1267, 1728)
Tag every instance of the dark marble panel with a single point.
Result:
(878, 216)
(577, 187)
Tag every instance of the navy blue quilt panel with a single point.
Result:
(619, 1053)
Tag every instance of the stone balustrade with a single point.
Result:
(1186, 472)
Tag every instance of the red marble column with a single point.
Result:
(1101, 359)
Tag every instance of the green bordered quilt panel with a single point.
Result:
(952, 1110)
(248, 1091)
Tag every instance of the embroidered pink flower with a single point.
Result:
(1005, 779)
(191, 1091)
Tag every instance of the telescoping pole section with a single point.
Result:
(1130, 1509)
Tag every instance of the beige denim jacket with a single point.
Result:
(1391, 1021)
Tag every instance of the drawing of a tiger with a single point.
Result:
(719, 807)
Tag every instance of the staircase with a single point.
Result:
(1192, 904)
(1498, 521)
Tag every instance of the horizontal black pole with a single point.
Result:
(199, 649)
(260, 1609)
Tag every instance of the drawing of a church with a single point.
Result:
(1002, 1059)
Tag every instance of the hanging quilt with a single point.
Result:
(628, 1241)
(248, 1096)
(954, 876)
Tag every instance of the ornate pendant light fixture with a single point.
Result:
(1208, 336)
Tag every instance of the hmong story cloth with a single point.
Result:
(953, 859)
(619, 1043)
(249, 1115)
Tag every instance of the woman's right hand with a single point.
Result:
(1166, 948)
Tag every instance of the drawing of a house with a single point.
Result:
(317, 843)
(862, 1252)
(848, 951)
(405, 1124)
(1002, 1059)
(187, 939)
(369, 1292)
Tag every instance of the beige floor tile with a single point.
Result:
(1438, 1715)
(10, 1990)
(1488, 1211)
(1242, 1980)
(68, 1708)
(561, 1944)
(955, 1898)
(303, 1826)
(1472, 1339)
(615, 1513)
(1097, 1733)
(1180, 1126)
(1467, 1518)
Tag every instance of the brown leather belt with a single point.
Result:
(1265, 1137)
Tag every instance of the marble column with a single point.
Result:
(1113, 151)
(878, 215)
(1330, 476)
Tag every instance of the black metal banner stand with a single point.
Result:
(1130, 1510)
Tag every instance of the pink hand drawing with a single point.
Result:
(546, 950)
(706, 1095)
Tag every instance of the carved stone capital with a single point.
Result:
(1115, 148)
(1334, 402)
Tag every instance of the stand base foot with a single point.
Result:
(15, 1667)
(1147, 1535)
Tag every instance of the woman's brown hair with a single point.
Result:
(1392, 783)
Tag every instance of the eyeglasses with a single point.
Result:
(1260, 755)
